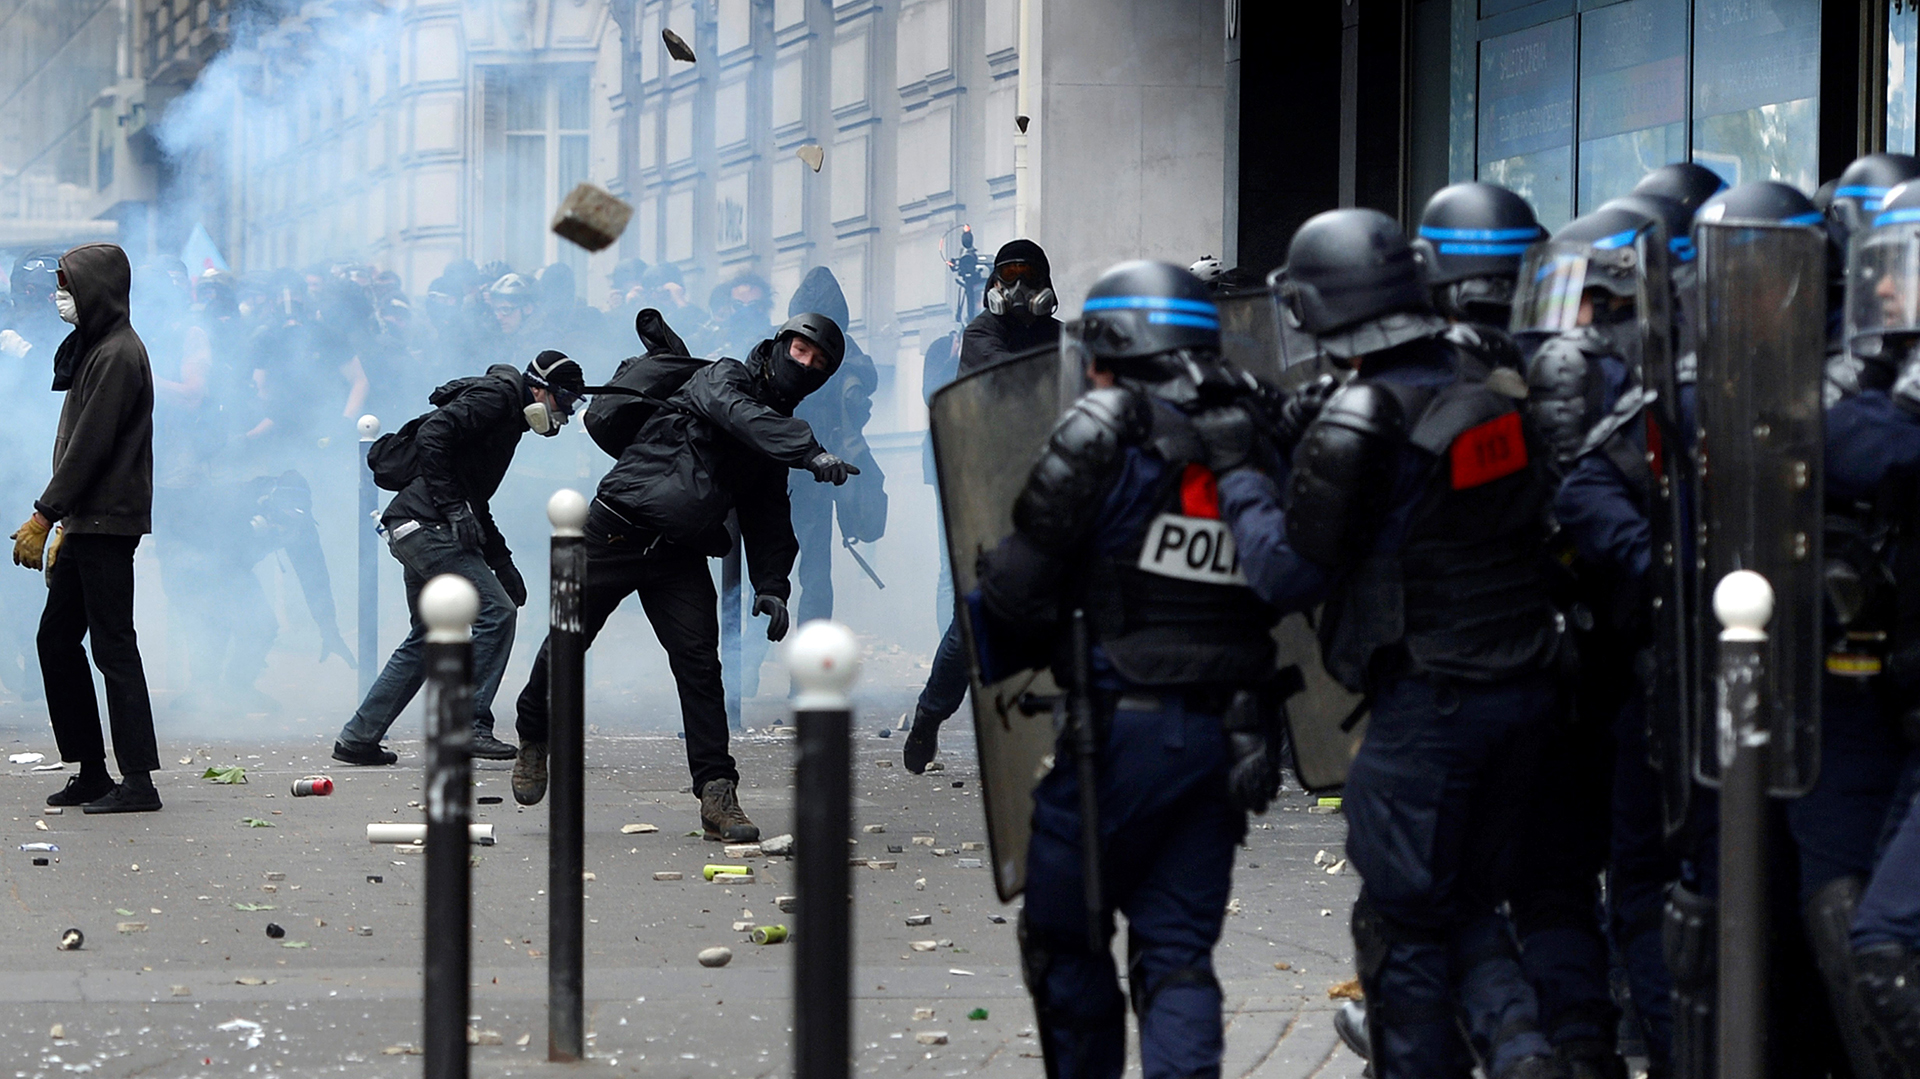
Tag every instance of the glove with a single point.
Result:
(54, 541)
(1253, 772)
(1228, 433)
(776, 612)
(1296, 413)
(511, 580)
(30, 542)
(332, 644)
(827, 468)
(14, 345)
(466, 527)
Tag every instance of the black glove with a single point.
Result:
(1229, 435)
(1253, 771)
(511, 580)
(332, 644)
(776, 612)
(1296, 412)
(827, 468)
(466, 527)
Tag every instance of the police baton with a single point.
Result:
(1743, 601)
(448, 605)
(824, 658)
(1086, 748)
(566, 742)
(369, 426)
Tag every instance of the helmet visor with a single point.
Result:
(1554, 278)
(1883, 284)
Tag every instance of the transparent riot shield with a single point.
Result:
(1762, 351)
(988, 427)
(1250, 334)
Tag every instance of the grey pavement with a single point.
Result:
(175, 979)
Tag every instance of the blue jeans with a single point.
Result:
(424, 555)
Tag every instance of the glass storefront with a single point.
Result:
(1756, 90)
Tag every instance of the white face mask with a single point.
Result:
(69, 310)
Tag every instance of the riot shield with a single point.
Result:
(1249, 334)
(1760, 491)
(988, 427)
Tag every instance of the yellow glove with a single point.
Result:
(30, 542)
(58, 537)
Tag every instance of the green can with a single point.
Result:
(769, 934)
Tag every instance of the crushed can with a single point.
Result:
(769, 934)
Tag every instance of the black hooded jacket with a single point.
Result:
(103, 452)
(719, 448)
(990, 338)
(465, 446)
(838, 413)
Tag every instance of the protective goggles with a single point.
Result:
(1016, 273)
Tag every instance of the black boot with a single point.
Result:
(488, 748)
(135, 794)
(923, 741)
(92, 782)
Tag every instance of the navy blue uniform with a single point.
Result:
(1455, 731)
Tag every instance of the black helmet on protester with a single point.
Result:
(821, 331)
(1684, 182)
(1862, 188)
(784, 383)
(1469, 242)
(1352, 281)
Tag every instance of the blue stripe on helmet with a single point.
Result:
(1897, 217)
(1452, 248)
(1618, 239)
(1813, 217)
(1174, 318)
(1682, 248)
(1492, 235)
(1151, 303)
(1870, 197)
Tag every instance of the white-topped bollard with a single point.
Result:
(824, 659)
(369, 599)
(448, 605)
(1743, 601)
(567, 757)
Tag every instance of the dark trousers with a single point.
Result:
(90, 594)
(1890, 910)
(812, 509)
(677, 594)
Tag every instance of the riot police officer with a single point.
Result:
(1469, 243)
(1858, 194)
(1685, 182)
(1176, 647)
(1437, 607)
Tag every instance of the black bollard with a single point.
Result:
(448, 605)
(369, 560)
(824, 658)
(730, 673)
(567, 751)
(1744, 602)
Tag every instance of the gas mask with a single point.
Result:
(69, 310)
(544, 419)
(1021, 301)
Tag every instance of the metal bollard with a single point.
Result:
(448, 605)
(731, 675)
(566, 744)
(1743, 601)
(825, 660)
(369, 560)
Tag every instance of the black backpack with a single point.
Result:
(393, 458)
(640, 385)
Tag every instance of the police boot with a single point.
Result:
(1888, 979)
(1690, 935)
(1590, 1060)
(1829, 917)
(923, 741)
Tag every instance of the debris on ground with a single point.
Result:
(25, 758)
(923, 945)
(1347, 990)
(633, 829)
(72, 940)
(741, 850)
(873, 829)
(231, 774)
(977, 1015)
(131, 927)
(922, 1014)
(484, 1037)
(275, 930)
(931, 1037)
(716, 957)
(786, 903)
(312, 787)
(780, 846)
(769, 934)
(919, 919)
(668, 874)
(256, 822)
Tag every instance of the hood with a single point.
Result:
(819, 291)
(101, 281)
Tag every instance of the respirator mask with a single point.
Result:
(69, 310)
(544, 418)
(1020, 290)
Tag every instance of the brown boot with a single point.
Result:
(722, 816)
(530, 773)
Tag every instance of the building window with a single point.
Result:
(1903, 30)
(540, 152)
(1633, 95)
(1756, 90)
(1526, 116)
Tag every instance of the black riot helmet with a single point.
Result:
(1684, 182)
(1674, 218)
(1883, 279)
(1862, 188)
(1474, 230)
(786, 382)
(1597, 254)
(1765, 202)
(1154, 325)
(1352, 281)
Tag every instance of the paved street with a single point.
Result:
(176, 979)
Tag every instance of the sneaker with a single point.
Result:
(923, 742)
(722, 816)
(124, 799)
(488, 748)
(80, 790)
(355, 753)
(530, 773)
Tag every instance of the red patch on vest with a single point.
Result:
(1488, 452)
(1656, 450)
(1199, 493)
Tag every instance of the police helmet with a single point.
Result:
(818, 329)
(1862, 188)
(1883, 286)
(1474, 230)
(1207, 268)
(1684, 182)
(1352, 281)
(1139, 311)
(1673, 217)
(1760, 201)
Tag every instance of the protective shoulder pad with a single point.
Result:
(1565, 391)
(1064, 489)
(1491, 347)
(1342, 470)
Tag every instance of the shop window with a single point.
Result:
(1903, 30)
(1633, 95)
(1756, 89)
(1526, 116)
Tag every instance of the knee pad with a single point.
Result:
(1887, 977)
(1829, 920)
(1143, 990)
